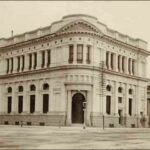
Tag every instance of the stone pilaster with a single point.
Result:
(69, 108)
(26, 62)
(10, 65)
(126, 65)
(4, 66)
(14, 100)
(88, 109)
(26, 100)
(137, 98)
(38, 100)
(21, 63)
(3, 100)
(115, 62)
(39, 59)
(15, 65)
(102, 56)
(126, 99)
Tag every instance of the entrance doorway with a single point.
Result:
(77, 108)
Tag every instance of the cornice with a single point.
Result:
(55, 35)
(67, 67)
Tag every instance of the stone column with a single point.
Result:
(75, 54)
(126, 65)
(69, 107)
(115, 63)
(39, 59)
(46, 60)
(129, 65)
(84, 53)
(26, 62)
(15, 65)
(88, 109)
(133, 66)
(38, 100)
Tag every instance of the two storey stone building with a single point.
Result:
(75, 70)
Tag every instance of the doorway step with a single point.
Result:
(77, 125)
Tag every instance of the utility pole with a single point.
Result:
(102, 89)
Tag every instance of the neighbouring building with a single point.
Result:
(76, 70)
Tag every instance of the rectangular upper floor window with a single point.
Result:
(107, 55)
(129, 67)
(79, 53)
(48, 57)
(112, 60)
(70, 54)
(18, 67)
(43, 58)
(133, 67)
(23, 62)
(88, 54)
(7, 65)
(12, 64)
(30, 61)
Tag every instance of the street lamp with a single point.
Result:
(84, 110)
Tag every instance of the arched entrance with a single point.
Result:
(77, 108)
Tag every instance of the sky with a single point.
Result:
(128, 17)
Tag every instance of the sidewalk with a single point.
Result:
(46, 137)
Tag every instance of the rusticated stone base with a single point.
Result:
(48, 120)
(59, 119)
(113, 121)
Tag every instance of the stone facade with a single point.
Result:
(76, 70)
